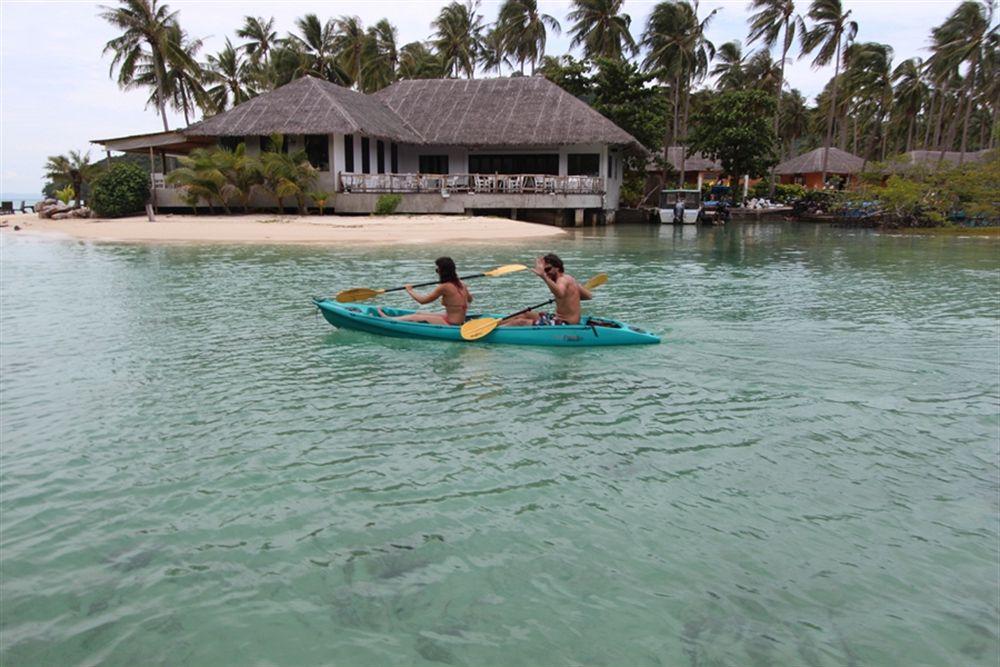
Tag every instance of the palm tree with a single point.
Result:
(794, 121)
(74, 169)
(286, 174)
(831, 30)
(910, 93)
(349, 43)
(145, 37)
(961, 39)
(381, 57)
(317, 51)
(458, 33)
(523, 29)
(416, 61)
(262, 38)
(184, 75)
(201, 176)
(227, 71)
(868, 79)
(493, 51)
(730, 70)
(762, 71)
(678, 52)
(601, 29)
(774, 19)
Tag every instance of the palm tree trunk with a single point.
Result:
(161, 95)
(833, 109)
(687, 108)
(930, 123)
(184, 104)
(909, 133)
(777, 105)
(969, 101)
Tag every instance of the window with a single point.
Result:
(380, 157)
(318, 151)
(366, 156)
(394, 158)
(230, 142)
(514, 164)
(349, 153)
(611, 165)
(583, 164)
(265, 145)
(433, 164)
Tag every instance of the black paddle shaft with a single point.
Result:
(528, 309)
(436, 282)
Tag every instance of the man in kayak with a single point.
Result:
(454, 295)
(564, 288)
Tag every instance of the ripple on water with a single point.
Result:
(804, 473)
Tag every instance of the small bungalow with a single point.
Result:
(807, 169)
(934, 158)
(698, 169)
(520, 145)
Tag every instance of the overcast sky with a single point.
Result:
(55, 93)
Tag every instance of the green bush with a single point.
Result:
(783, 193)
(387, 204)
(121, 190)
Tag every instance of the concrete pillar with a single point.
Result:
(578, 217)
(700, 178)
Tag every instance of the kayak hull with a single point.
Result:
(590, 332)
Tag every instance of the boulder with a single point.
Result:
(62, 216)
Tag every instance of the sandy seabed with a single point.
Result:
(265, 228)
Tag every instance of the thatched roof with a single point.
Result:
(931, 158)
(696, 162)
(307, 106)
(839, 162)
(502, 112)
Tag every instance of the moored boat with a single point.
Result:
(592, 331)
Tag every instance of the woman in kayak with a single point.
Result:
(453, 293)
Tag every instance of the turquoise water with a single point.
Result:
(198, 470)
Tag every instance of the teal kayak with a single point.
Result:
(591, 331)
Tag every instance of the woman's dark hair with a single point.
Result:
(447, 272)
(553, 260)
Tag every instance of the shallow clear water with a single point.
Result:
(198, 470)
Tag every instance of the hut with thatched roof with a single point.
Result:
(807, 169)
(445, 145)
(934, 159)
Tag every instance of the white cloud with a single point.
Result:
(55, 94)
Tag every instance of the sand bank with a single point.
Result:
(272, 228)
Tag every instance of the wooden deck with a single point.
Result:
(470, 183)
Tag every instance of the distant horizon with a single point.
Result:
(79, 102)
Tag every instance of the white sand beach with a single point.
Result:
(272, 228)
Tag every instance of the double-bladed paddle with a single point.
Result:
(476, 329)
(362, 293)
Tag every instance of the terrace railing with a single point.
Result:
(471, 183)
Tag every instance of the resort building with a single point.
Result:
(520, 146)
(934, 158)
(698, 170)
(807, 169)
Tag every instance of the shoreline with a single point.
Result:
(284, 229)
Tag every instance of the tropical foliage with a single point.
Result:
(73, 171)
(121, 189)
(873, 105)
(223, 177)
(735, 129)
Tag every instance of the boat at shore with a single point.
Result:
(591, 332)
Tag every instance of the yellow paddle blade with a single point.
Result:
(475, 329)
(596, 281)
(505, 269)
(358, 294)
